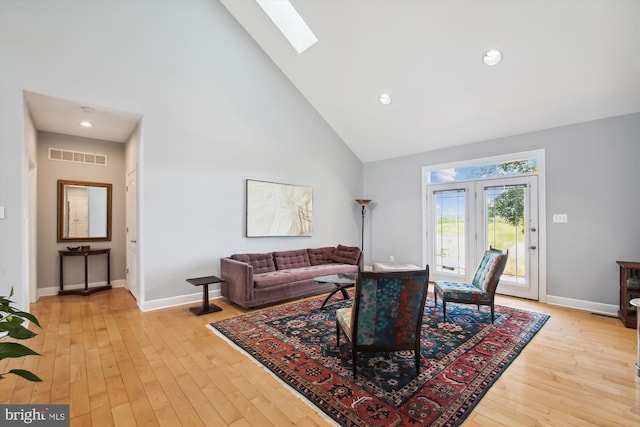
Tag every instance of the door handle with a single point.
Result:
(134, 241)
(533, 247)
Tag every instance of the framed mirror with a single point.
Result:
(84, 211)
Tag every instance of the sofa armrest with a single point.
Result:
(238, 281)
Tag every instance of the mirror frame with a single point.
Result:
(61, 184)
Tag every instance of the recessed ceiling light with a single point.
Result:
(86, 124)
(492, 57)
(385, 99)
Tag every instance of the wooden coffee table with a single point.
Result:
(342, 282)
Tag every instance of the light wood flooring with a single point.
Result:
(117, 366)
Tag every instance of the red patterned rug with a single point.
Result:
(461, 359)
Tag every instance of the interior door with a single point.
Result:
(132, 236)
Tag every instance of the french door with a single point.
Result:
(466, 218)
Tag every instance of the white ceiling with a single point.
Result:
(57, 115)
(565, 62)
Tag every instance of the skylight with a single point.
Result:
(290, 23)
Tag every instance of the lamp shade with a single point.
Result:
(363, 202)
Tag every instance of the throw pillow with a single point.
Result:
(346, 254)
(319, 256)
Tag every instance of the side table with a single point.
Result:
(205, 282)
(627, 312)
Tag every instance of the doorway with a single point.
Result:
(54, 122)
(464, 218)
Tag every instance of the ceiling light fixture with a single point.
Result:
(385, 99)
(86, 124)
(492, 57)
(290, 23)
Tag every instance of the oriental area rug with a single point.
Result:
(461, 359)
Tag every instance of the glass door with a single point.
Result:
(466, 218)
(449, 211)
(509, 210)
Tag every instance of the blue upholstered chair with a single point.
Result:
(386, 314)
(481, 290)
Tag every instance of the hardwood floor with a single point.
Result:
(117, 366)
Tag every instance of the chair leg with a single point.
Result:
(354, 356)
(492, 313)
(417, 352)
(338, 334)
(444, 310)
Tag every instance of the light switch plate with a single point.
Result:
(560, 218)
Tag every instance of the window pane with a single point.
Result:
(449, 231)
(505, 227)
(511, 168)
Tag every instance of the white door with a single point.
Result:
(509, 210)
(78, 212)
(466, 218)
(132, 236)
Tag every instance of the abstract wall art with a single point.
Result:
(276, 210)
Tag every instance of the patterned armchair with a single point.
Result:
(386, 314)
(481, 290)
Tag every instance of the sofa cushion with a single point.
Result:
(291, 259)
(319, 256)
(261, 263)
(292, 275)
(346, 254)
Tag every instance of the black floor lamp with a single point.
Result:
(363, 203)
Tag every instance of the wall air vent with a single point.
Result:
(77, 157)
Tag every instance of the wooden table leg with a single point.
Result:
(206, 306)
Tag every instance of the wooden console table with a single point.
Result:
(86, 254)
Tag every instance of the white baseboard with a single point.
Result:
(594, 307)
(53, 290)
(195, 298)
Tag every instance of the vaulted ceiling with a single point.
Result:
(564, 62)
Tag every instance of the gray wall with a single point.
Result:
(592, 174)
(49, 172)
(215, 109)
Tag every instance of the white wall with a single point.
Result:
(216, 112)
(592, 175)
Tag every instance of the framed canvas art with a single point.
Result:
(277, 210)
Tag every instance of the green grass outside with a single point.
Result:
(500, 234)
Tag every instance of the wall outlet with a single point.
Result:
(392, 258)
(560, 218)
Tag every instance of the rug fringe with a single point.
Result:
(295, 392)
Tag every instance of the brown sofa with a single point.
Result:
(253, 280)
